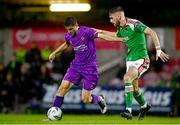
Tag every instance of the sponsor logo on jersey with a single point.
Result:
(82, 47)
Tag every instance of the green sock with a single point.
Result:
(128, 95)
(139, 97)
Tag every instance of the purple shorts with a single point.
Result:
(88, 76)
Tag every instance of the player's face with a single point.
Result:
(114, 19)
(72, 29)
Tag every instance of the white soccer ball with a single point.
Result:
(54, 113)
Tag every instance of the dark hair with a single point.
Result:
(116, 9)
(70, 21)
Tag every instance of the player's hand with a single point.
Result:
(52, 57)
(163, 56)
(125, 39)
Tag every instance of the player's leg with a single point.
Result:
(138, 94)
(88, 97)
(90, 80)
(58, 101)
(62, 90)
(71, 77)
(129, 77)
(145, 107)
(143, 67)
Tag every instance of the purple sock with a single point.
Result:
(95, 99)
(58, 101)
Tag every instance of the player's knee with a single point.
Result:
(127, 78)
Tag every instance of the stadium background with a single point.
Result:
(29, 32)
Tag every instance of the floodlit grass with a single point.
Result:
(84, 119)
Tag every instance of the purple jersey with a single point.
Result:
(84, 47)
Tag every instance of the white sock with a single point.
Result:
(129, 109)
(144, 106)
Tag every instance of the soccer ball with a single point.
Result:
(54, 113)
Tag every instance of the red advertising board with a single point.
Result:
(40, 35)
(51, 36)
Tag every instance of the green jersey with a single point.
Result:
(136, 44)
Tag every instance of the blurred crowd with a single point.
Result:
(29, 75)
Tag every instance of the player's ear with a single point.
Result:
(119, 17)
(76, 24)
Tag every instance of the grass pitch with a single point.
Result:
(84, 120)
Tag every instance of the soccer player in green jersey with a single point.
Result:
(137, 60)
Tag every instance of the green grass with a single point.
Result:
(84, 119)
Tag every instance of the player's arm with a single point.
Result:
(62, 47)
(159, 53)
(111, 38)
(105, 32)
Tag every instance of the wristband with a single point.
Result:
(158, 47)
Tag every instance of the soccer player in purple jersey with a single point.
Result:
(83, 67)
